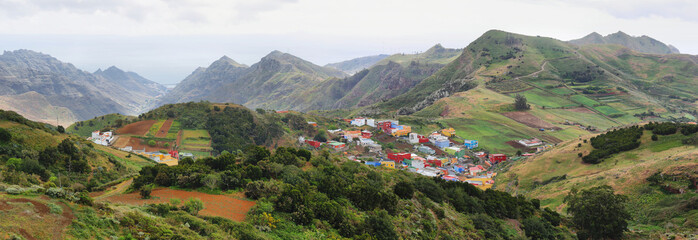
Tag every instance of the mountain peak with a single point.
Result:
(225, 60)
(643, 44)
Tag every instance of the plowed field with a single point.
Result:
(225, 206)
(137, 128)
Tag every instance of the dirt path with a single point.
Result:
(162, 133)
(114, 190)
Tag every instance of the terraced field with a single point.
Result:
(197, 142)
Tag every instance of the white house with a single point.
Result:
(371, 122)
(105, 138)
(358, 122)
(530, 142)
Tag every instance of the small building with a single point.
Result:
(442, 143)
(450, 178)
(371, 122)
(337, 145)
(388, 164)
(497, 158)
(366, 142)
(476, 169)
(530, 142)
(314, 124)
(435, 162)
(358, 122)
(186, 154)
(415, 138)
(470, 144)
(365, 134)
(102, 138)
(174, 154)
(313, 143)
(399, 157)
(448, 132)
(352, 134)
(373, 163)
(375, 148)
(459, 169)
(426, 150)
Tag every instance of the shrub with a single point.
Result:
(152, 143)
(5, 136)
(145, 191)
(404, 190)
(654, 137)
(55, 209)
(193, 206)
(14, 190)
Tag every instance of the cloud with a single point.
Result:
(634, 9)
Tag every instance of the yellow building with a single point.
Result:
(448, 132)
(402, 132)
(388, 164)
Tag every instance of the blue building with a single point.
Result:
(374, 163)
(470, 144)
(442, 143)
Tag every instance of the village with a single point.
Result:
(387, 144)
(439, 154)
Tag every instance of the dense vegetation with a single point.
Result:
(612, 142)
(598, 213)
(349, 199)
(232, 127)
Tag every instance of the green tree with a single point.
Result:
(321, 136)
(598, 212)
(152, 143)
(146, 191)
(404, 190)
(14, 164)
(5, 135)
(521, 103)
(194, 205)
(60, 129)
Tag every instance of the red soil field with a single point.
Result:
(42, 210)
(162, 133)
(225, 206)
(137, 128)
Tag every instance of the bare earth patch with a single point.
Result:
(580, 110)
(138, 128)
(529, 120)
(227, 206)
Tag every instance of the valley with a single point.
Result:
(484, 142)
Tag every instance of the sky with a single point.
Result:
(166, 40)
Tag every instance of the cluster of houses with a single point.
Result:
(170, 158)
(454, 164)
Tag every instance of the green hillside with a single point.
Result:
(652, 175)
(106, 122)
(436, 54)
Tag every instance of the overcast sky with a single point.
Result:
(165, 40)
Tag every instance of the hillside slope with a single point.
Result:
(355, 65)
(642, 44)
(654, 202)
(63, 86)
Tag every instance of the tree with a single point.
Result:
(404, 190)
(520, 103)
(193, 206)
(60, 129)
(145, 191)
(654, 137)
(598, 212)
(14, 163)
(152, 143)
(5, 136)
(321, 136)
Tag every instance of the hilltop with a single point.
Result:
(642, 44)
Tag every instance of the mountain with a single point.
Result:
(357, 64)
(42, 87)
(275, 82)
(132, 81)
(203, 81)
(643, 43)
(572, 90)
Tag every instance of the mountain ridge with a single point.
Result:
(642, 43)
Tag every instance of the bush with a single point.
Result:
(152, 143)
(654, 137)
(404, 190)
(193, 206)
(55, 209)
(14, 190)
(5, 135)
(145, 191)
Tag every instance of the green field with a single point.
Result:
(607, 110)
(562, 91)
(197, 142)
(545, 99)
(491, 135)
(155, 128)
(174, 130)
(584, 100)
